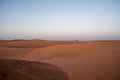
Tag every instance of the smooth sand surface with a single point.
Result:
(13, 53)
(96, 60)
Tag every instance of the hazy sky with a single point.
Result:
(60, 19)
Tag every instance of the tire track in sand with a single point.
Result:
(21, 57)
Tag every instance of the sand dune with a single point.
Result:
(31, 43)
(26, 70)
(83, 61)
(2, 41)
(75, 50)
(96, 60)
(13, 53)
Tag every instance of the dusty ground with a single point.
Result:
(96, 60)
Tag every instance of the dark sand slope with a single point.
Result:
(26, 70)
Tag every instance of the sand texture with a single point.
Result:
(26, 70)
(95, 60)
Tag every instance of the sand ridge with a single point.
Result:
(31, 43)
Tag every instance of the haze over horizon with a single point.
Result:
(60, 19)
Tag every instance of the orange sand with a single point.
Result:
(97, 60)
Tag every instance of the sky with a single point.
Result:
(60, 19)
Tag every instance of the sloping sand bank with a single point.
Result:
(27, 70)
(83, 61)
(13, 53)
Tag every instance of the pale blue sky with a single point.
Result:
(60, 19)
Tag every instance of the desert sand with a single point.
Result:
(26, 70)
(88, 60)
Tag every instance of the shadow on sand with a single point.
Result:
(29, 70)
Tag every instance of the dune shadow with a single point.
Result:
(30, 70)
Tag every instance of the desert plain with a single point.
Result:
(77, 60)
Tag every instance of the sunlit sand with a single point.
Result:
(95, 60)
